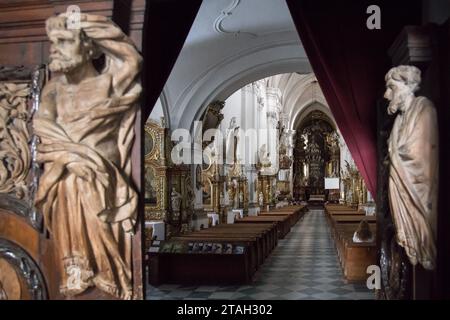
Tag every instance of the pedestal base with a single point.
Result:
(200, 219)
(254, 211)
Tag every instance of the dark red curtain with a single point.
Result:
(166, 26)
(350, 61)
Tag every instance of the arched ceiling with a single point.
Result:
(300, 95)
(231, 43)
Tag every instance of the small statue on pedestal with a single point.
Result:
(176, 202)
(261, 199)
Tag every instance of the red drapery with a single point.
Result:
(166, 26)
(350, 61)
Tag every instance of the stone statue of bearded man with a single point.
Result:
(413, 176)
(85, 124)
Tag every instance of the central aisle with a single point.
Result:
(304, 265)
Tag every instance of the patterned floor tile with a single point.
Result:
(179, 293)
(207, 288)
(168, 286)
(325, 296)
(221, 295)
(281, 291)
(262, 296)
(199, 295)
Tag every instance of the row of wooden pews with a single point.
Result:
(354, 257)
(223, 254)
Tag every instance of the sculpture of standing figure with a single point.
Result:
(264, 156)
(232, 147)
(413, 176)
(176, 200)
(241, 199)
(86, 127)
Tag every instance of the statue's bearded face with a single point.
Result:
(66, 50)
(396, 93)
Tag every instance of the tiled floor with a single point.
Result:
(304, 265)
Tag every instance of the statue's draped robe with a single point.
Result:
(413, 180)
(91, 220)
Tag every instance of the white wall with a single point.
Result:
(232, 109)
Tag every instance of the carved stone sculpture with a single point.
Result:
(86, 127)
(261, 199)
(413, 177)
(264, 156)
(232, 146)
(176, 200)
(241, 199)
(15, 154)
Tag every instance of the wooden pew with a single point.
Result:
(294, 213)
(268, 230)
(291, 216)
(258, 240)
(202, 268)
(257, 235)
(256, 253)
(261, 241)
(354, 257)
(283, 225)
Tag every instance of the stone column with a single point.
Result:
(290, 152)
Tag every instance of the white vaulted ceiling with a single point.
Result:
(231, 43)
(300, 94)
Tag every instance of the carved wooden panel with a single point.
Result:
(19, 95)
(15, 154)
(23, 41)
(20, 276)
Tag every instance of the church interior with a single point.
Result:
(307, 170)
(228, 150)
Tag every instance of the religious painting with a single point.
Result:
(207, 192)
(149, 143)
(151, 188)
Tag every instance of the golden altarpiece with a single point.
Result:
(211, 177)
(212, 183)
(168, 187)
(266, 185)
(355, 191)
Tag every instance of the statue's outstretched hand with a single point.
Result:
(98, 27)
